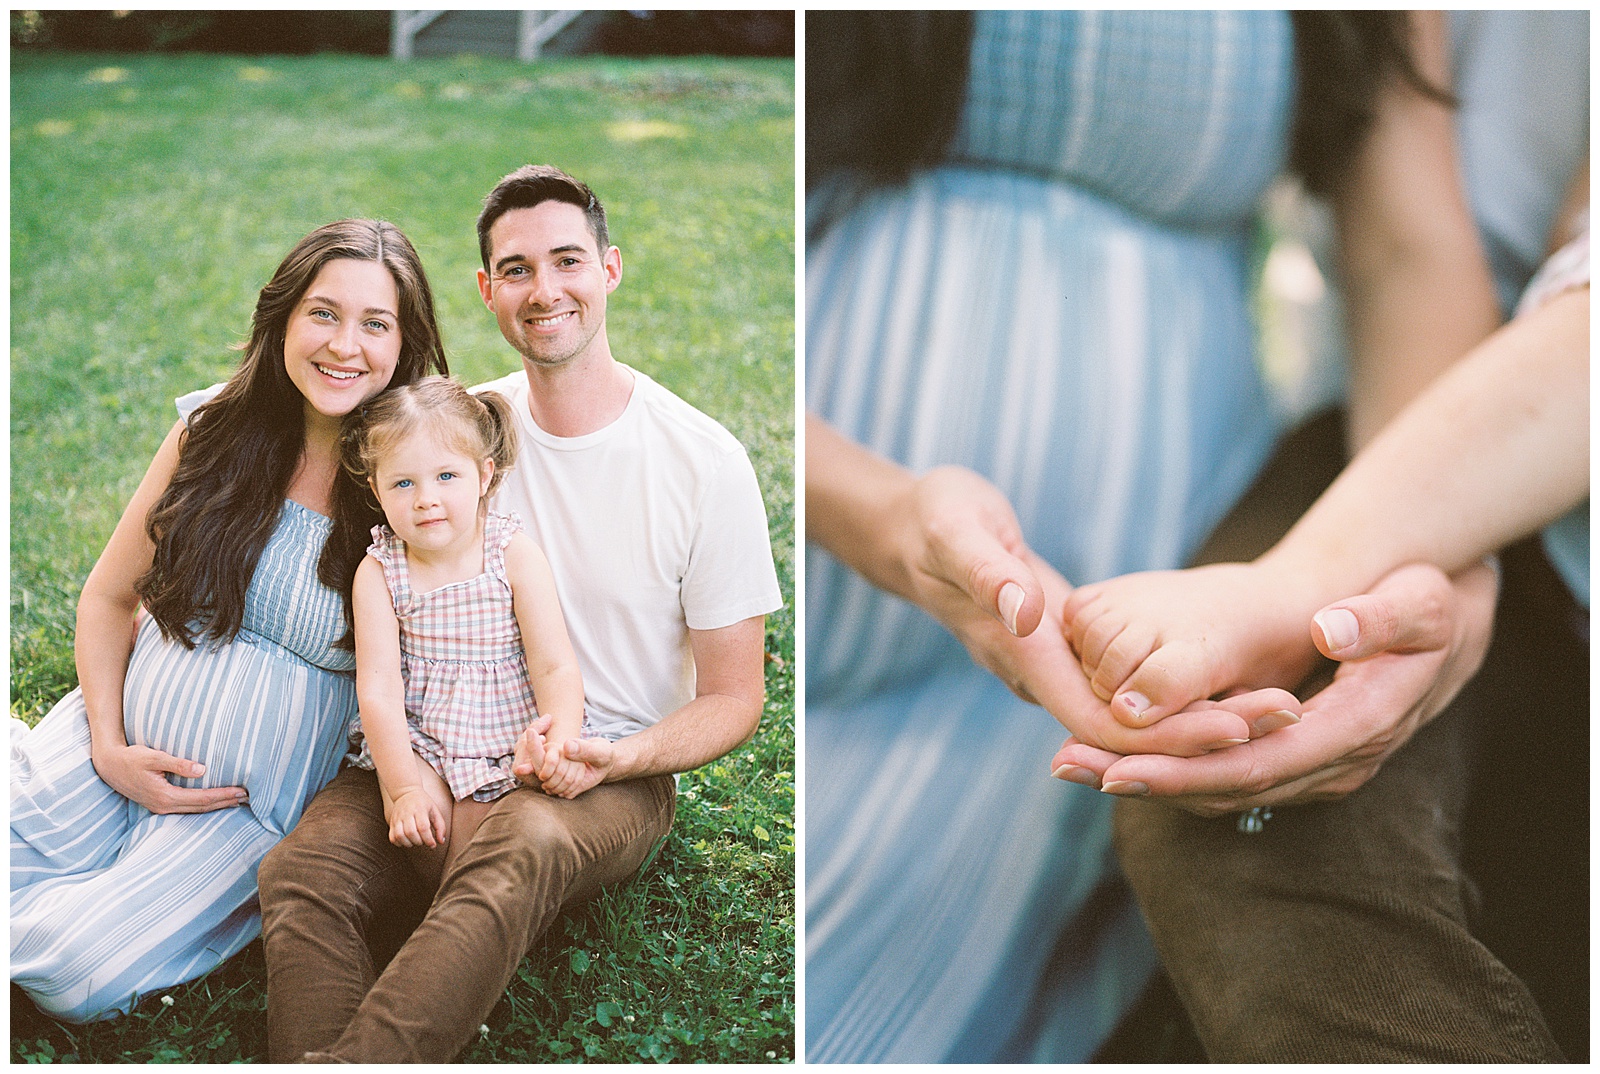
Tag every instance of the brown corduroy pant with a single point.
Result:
(337, 899)
(1354, 931)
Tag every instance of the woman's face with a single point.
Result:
(342, 341)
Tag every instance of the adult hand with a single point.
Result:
(591, 757)
(965, 562)
(139, 773)
(1418, 636)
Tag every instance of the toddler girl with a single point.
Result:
(457, 625)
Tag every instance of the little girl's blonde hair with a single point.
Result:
(479, 425)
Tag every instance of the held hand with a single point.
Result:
(1418, 637)
(560, 772)
(966, 564)
(139, 773)
(586, 764)
(415, 820)
(529, 754)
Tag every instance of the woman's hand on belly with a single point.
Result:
(140, 773)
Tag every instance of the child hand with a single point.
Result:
(528, 756)
(1153, 643)
(416, 820)
(564, 777)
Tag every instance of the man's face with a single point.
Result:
(547, 283)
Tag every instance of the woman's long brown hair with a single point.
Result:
(240, 450)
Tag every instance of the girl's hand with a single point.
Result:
(1420, 636)
(415, 820)
(565, 778)
(573, 767)
(528, 758)
(961, 553)
(139, 773)
(590, 761)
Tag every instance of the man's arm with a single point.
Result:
(730, 686)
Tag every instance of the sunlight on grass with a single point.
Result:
(641, 130)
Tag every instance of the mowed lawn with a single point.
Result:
(151, 198)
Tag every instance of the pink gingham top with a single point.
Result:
(466, 675)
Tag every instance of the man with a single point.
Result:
(651, 517)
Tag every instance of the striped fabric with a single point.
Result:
(468, 695)
(109, 902)
(1159, 111)
(1062, 307)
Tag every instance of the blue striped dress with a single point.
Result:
(110, 902)
(1062, 306)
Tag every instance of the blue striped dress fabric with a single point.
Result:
(1062, 306)
(109, 902)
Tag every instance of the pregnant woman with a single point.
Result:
(1053, 293)
(215, 692)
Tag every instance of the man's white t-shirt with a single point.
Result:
(653, 525)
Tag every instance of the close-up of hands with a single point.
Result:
(566, 770)
(1404, 650)
(966, 563)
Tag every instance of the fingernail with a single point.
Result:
(1274, 721)
(1224, 743)
(1339, 627)
(199, 770)
(1127, 787)
(1077, 774)
(1135, 703)
(1011, 598)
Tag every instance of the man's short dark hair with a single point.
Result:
(531, 185)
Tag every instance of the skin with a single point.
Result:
(329, 326)
(949, 542)
(547, 286)
(1419, 296)
(1418, 643)
(1495, 449)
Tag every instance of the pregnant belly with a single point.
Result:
(1097, 367)
(256, 718)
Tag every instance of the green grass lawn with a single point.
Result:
(151, 198)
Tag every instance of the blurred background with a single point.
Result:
(425, 33)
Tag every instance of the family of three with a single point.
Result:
(515, 612)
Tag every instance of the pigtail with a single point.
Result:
(498, 426)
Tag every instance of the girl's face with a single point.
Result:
(342, 341)
(430, 492)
